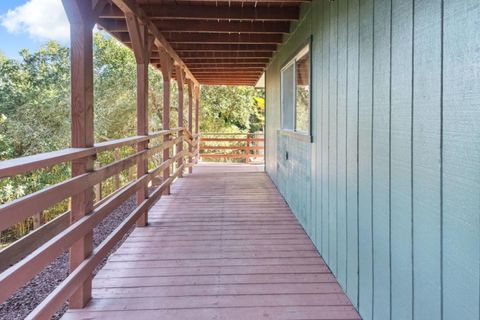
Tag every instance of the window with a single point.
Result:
(295, 93)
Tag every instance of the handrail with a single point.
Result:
(246, 147)
(15, 211)
(21, 165)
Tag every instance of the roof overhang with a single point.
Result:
(215, 42)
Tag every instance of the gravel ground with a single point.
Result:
(30, 295)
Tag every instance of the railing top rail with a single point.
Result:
(232, 134)
(21, 165)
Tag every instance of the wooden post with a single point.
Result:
(167, 68)
(116, 178)
(82, 16)
(142, 44)
(247, 149)
(197, 128)
(190, 122)
(37, 220)
(180, 81)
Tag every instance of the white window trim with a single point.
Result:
(293, 61)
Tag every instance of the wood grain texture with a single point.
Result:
(237, 266)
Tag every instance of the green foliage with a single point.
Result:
(232, 109)
(35, 113)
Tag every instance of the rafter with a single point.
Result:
(199, 12)
(178, 37)
(185, 47)
(130, 6)
(233, 54)
(197, 26)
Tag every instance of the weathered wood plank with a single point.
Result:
(218, 260)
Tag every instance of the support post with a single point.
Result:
(197, 117)
(167, 67)
(180, 81)
(190, 123)
(82, 16)
(142, 44)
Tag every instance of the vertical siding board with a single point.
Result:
(325, 122)
(341, 145)
(426, 159)
(317, 91)
(401, 115)
(365, 159)
(332, 125)
(461, 159)
(381, 160)
(351, 170)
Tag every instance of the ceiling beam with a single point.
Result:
(232, 54)
(254, 27)
(185, 47)
(200, 12)
(248, 1)
(202, 65)
(226, 60)
(227, 70)
(130, 6)
(179, 37)
(197, 26)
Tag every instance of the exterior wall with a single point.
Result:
(389, 189)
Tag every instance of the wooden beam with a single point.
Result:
(250, 27)
(166, 68)
(201, 12)
(142, 44)
(196, 26)
(225, 67)
(130, 6)
(262, 1)
(180, 76)
(197, 110)
(233, 38)
(231, 70)
(81, 18)
(190, 120)
(216, 55)
(208, 47)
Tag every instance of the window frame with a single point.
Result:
(303, 135)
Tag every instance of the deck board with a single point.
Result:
(224, 245)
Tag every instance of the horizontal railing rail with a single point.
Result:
(247, 146)
(28, 256)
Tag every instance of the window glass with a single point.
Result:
(288, 94)
(302, 94)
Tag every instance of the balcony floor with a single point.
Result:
(224, 245)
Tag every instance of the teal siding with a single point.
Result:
(389, 189)
(461, 159)
(401, 160)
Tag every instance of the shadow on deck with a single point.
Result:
(224, 245)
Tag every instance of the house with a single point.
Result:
(372, 137)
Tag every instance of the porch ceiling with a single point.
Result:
(220, 42)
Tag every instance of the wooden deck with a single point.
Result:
(224, 245)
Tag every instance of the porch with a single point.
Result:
(223, 245)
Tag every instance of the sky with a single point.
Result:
(27, 24)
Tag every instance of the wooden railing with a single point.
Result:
(222, 146)
(42, 246)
